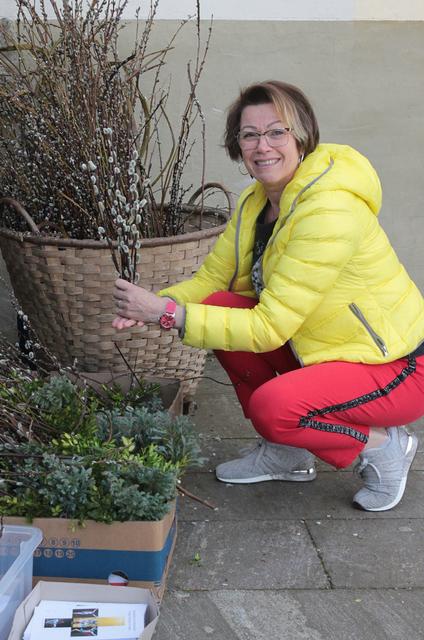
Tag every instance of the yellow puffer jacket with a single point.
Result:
(334, 286)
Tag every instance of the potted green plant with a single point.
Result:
(96, 466)
(92, 168)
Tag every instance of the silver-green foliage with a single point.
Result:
(174, 438)
(70, 452)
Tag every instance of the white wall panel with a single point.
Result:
(274, 9)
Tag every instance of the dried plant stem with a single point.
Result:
(187, 493)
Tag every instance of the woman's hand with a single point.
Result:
(135, 305)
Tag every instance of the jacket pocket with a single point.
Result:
(378, 340)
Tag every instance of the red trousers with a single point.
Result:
(326, 408)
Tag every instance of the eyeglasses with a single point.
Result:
(274, 137)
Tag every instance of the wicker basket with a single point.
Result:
(65, 288)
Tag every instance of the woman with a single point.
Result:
(306, 305)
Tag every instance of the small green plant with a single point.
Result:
(196, 560)
(68, 451)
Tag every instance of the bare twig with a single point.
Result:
(87, 145)
(184, 492)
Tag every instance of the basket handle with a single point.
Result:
(213, 185)
(14, 204)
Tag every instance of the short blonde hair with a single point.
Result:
(290, 103)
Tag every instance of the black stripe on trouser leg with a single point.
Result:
(307, 421)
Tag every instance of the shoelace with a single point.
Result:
(361, 466)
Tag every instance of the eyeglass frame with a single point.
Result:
(259, 134)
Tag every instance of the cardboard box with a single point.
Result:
(84, 593)
(141, 550)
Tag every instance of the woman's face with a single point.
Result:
(274, 167)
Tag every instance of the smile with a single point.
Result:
(266, 163)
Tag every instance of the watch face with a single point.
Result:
(167, 321)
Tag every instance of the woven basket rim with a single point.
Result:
(32, 238)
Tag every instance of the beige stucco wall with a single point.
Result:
(365, 80)
(267, 10)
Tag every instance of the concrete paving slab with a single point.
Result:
(371, 553)
(227, 422)
(361, 615)
(292, 615)
(217, 449)
(192, 616)
(329, 496)
(218, 410)
(250, 554)
(418, 429)
(225, 419)
(418, 464)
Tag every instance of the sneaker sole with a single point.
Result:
(303, 475)
(410, 453)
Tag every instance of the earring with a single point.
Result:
(240, 164)
(301, 157)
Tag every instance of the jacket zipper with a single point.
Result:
(275, 233)
(376, 338)
(295, 201)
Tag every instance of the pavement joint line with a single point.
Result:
(319, 554)
(320, 471)
(171, 590)
(295, 519)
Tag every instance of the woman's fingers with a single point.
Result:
(135, 303)
(124, 323)
(122, 284)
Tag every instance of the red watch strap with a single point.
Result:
(171, 307)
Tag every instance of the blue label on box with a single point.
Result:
(97, 564)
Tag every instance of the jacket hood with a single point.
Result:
(332, 167)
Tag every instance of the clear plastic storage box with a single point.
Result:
(17, 544)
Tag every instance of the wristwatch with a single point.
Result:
(167, 319)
